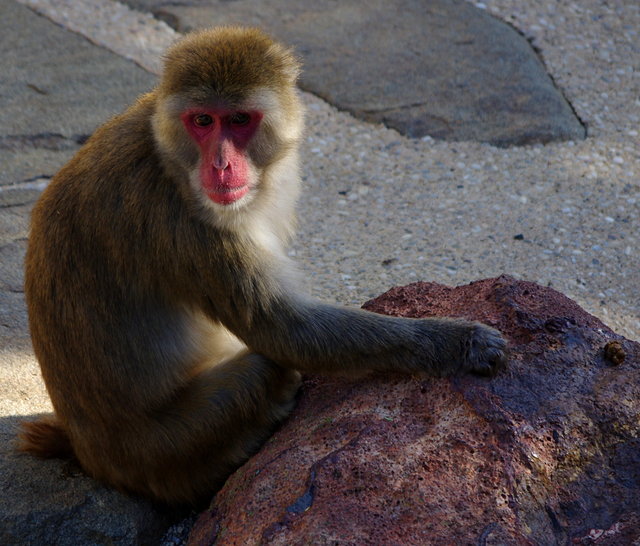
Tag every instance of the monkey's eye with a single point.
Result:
(202, 120)
(240, 118)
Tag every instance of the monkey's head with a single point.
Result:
(228, 112)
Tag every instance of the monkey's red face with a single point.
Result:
(222, 137)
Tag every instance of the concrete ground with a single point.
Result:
(379, 209)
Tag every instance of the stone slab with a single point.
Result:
(442, 68)
(46, 113)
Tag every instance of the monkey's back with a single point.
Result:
(85, 286)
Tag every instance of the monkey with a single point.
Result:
(163, 308)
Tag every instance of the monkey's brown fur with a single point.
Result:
(138, 289)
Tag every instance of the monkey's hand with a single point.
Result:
(451, 346)
(486, 350)
(316, 337)
(283, 393)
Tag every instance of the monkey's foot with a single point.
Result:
(284, 396)
(486, 351)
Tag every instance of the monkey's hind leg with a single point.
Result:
(185, 450)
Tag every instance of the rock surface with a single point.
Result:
(443, 68)
(545, 453)
(55, 503)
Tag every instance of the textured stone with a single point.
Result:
(545, 453)
(442, 68)
(54, 503)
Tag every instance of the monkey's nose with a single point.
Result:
(220, 164)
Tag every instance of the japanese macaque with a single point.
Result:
(163, 309)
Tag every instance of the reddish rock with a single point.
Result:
(548, 452)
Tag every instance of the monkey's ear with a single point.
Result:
(291, 64)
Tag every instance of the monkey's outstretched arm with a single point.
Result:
(247, 294)
(305, 334)
(313, 336)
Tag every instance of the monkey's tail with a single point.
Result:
(45, 438)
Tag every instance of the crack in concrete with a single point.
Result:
(538, 53)
(41, 141)
(22, 193)
(35, 183)
(389, 107)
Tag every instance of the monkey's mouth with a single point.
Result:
(225, 195)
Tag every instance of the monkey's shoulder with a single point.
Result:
(123, 141)
(118, 152)
(108, 180)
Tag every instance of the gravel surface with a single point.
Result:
(383, 210)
